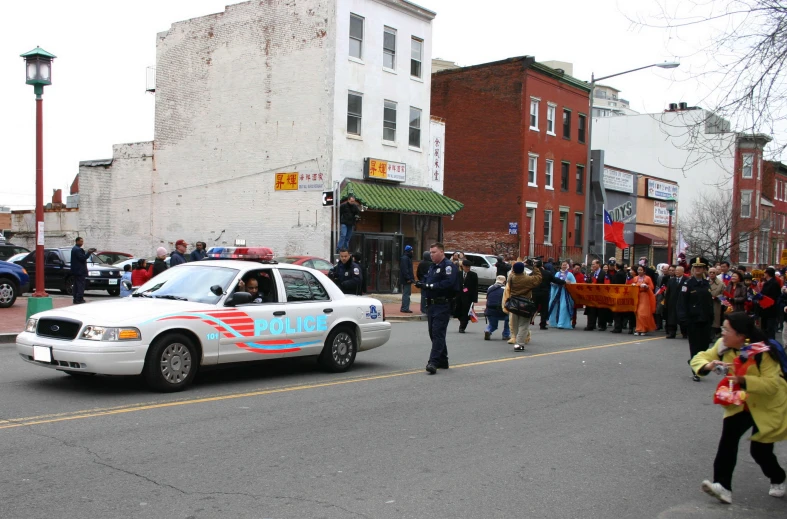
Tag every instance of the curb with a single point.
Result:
(7, 339)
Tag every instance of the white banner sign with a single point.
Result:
(310, 182)
(660, 213)
(40, 237)
(662, 190)
(618, 181)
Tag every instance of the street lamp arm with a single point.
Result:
(660, 65)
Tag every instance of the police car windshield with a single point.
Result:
(188, 283)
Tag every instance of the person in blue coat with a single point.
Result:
(406, 278)
(79, 269)
(561, 306)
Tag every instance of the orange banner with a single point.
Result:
(618, 298)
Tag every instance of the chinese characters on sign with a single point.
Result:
(437, 159)
(661, 190)
(294, 181)
(385, 170)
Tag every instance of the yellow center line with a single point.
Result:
(80, 415)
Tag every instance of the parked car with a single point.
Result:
(9, 249)
(312, 262)
(57, 272)
(14, 280)
(133, 262)
(16, 258)
(111, 257)
(484, 265)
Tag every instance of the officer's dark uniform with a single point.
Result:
(695, 307)
(348, 277)
(541, 295)
(439, 289)
(594, 313)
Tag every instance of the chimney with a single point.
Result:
(684, 106)
(673, 107)
(57, 196)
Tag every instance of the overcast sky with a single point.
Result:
(104, 46)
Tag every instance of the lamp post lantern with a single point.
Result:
(589, 210)
(671, 203)
(38, 68)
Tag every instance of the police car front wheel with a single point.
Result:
(171, 363)
(339, 351)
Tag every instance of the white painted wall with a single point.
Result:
(378, 85)
(60, 228)
(661, 145)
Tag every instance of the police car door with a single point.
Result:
(255, 331)
(310, 311)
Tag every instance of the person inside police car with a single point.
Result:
(347, 273)
(252, 286)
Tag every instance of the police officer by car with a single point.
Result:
(346, 274)
(439, 289)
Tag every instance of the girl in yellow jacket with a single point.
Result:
(764, 410)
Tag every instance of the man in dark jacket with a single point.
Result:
(541, 293)
(770, 316)
(79, 269)
(596, 276)
(346, 274)
(349, 214)
(675, 286)
(695, 307)
(467, 296)
(406, 278)
(200, 252)
(178, 256)
(421, 272)
(616, 276)
(503, 268)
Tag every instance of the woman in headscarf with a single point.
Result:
(561, 306)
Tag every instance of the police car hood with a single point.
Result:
(124, 311)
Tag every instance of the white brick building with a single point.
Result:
(266, 88)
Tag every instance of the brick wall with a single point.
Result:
(483, 242)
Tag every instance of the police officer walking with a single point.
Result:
(439, 289)
(695, 307)
(346, 274)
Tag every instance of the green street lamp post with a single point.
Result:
(38, 68)
(671, 204)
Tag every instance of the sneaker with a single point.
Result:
(778, 490)
(718, 491)
(431, 368)
(487, 336)
(527, 339)
(511, 341)
(519, 347)
(696, 378)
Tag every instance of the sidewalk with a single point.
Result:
(393, 306)
(12, 320)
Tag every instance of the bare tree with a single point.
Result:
(711, 230)
(744, 46)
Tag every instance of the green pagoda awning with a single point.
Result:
(401, 199)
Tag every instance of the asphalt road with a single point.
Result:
(582, 425)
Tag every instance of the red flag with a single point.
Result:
(766, 302)
(613, 232)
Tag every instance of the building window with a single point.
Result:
(548, 171)
(531, 170)
(547, 227)
(578, 229)
(580, 179)
(743, 248)
(566, 124)
(746, 204)
(551, 119)
(581, 128)
(415, 127)
(356, 36)
(416, 56)
(389, 48)
(389, 121)
(748, 164)
(564, 175)
(354, 110)
(534, 113)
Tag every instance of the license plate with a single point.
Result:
(113, 281)
(42, 353)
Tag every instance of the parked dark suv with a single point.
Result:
(57, 272)
(8, 249)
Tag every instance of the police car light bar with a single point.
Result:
(242, 253)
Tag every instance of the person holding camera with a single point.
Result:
(349, 214)
(521, 285)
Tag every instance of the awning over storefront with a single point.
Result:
(645, 238)
(401, 199)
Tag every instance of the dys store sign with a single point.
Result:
(376, 169)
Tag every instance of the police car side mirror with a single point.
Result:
(216, 290)
(239, 298)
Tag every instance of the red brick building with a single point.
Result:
(516, 135)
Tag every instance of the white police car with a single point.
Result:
(194, 315)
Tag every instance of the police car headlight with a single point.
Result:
(99, 333)
(31, 325)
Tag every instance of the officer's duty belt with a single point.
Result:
(438, 301)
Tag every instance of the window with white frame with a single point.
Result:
(547, 227)
(534, 102)
(389, 121)
(745, 204)
(354, 111)
(389, 48)
(743, 248)
(551, 108)
(356, 36)
(748, 165)
(548, 172)
(416, 56)
(415, 127)
(532, 165)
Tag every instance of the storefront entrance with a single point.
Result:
(380, 255)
